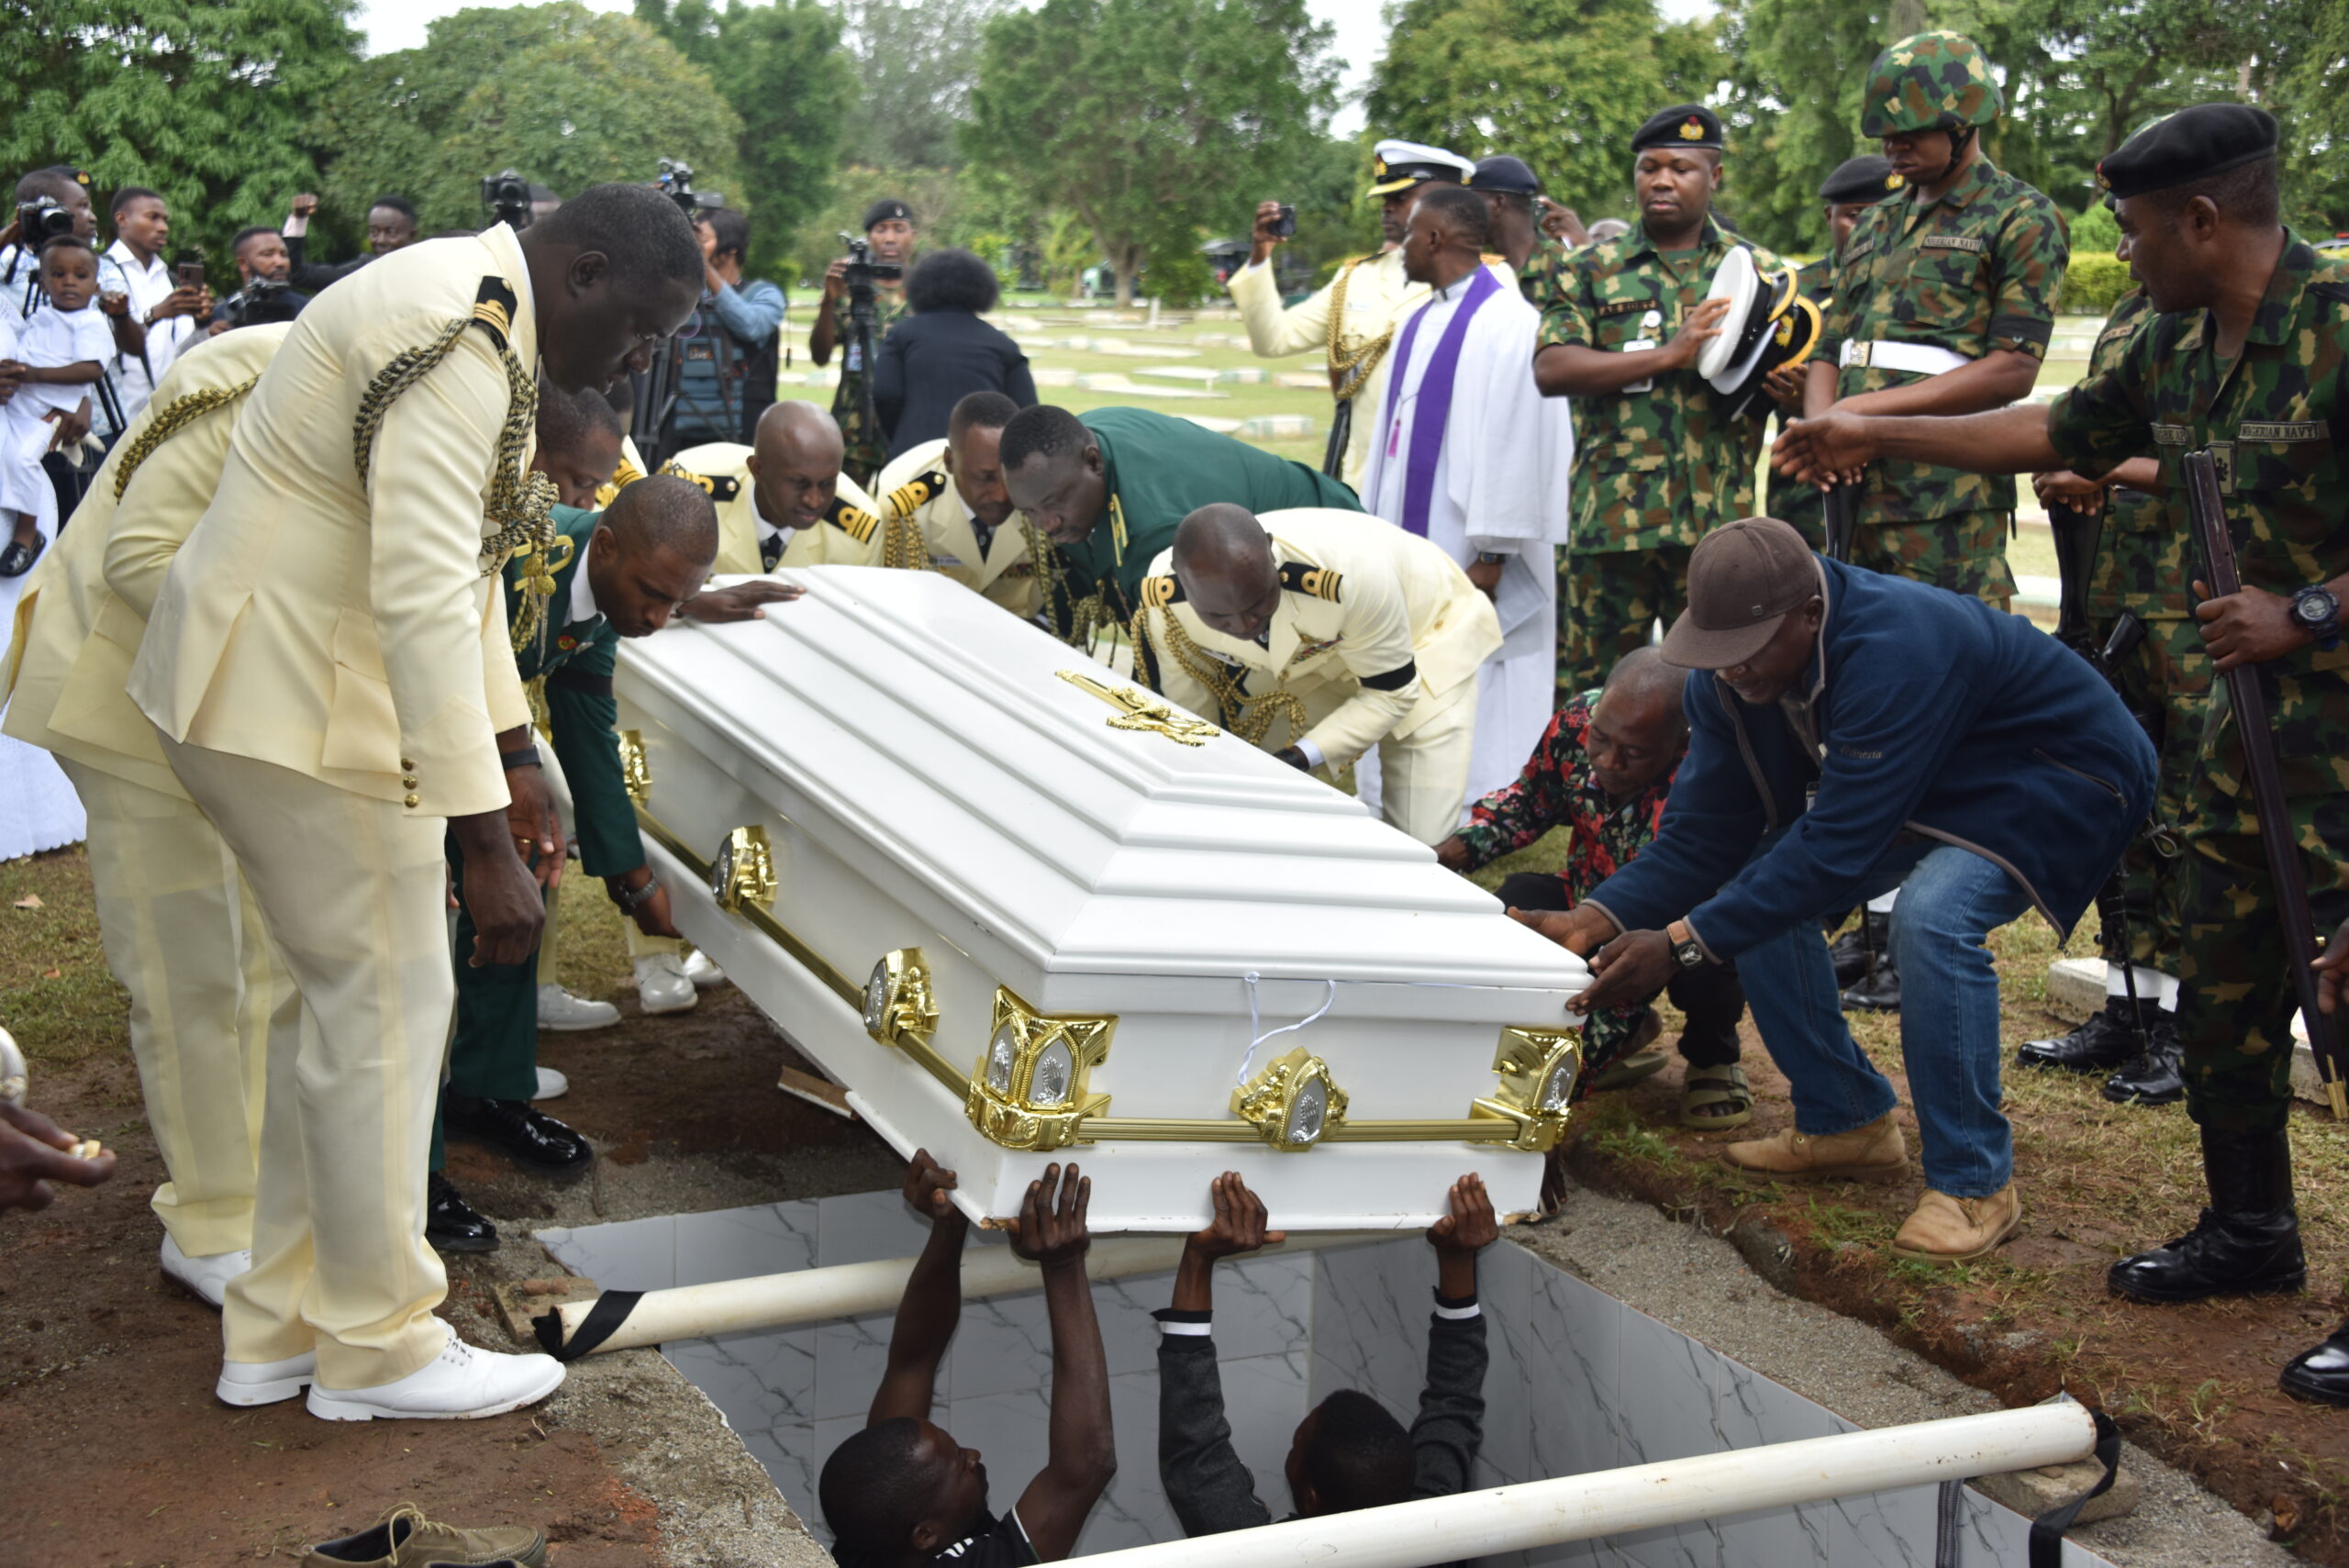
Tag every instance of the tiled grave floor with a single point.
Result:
(1578, 1381)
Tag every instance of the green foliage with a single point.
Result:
(1561, 83)
(1140, 115)
(1180, 275)
(206, 102)
(569, 97)
(948, 210)
(780, 67)
(2093, 284)
(914, 62)
(2094, 232)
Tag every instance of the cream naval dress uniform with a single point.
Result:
(181, 929)
(917, 486)
(1369, 297)
(1378, 637)
(329, 667)
(849, 535)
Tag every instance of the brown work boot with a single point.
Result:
(404, 1538)
(1946, 1229)
(1870, 1153)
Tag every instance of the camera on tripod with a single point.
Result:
(508, 195)
(40, 220)
(676, 179)
(864, 272)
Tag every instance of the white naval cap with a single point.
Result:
(1398, 165)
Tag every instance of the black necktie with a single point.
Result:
(770, 551)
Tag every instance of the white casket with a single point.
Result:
(1020, 922)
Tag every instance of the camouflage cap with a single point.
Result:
(1929, 82)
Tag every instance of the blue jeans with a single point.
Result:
(1949, 900)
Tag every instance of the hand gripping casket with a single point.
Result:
(1026, 913)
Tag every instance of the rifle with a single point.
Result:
(2276, 835)
(1841, 505)
(1341, 431)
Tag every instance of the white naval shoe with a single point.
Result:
(205, 1278)
(661, 986)
(559, 1009)
(265, 1383)
(462, 1384)
(552, 1086)
(703, 971)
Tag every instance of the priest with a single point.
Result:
(1471, 457)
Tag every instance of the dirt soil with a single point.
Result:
(2193, 1384)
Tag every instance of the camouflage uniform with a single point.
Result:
(2271, 418)
(1791, 500)
(864, 452)
(1657, 468)
(1546, 271)
(1974, 272)
(2142, 569)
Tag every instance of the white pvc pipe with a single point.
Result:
(1612, 1502)
(845, 1290)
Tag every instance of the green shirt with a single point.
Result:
(2273, 418)
(574, 662)
(1160, 470)
(1543, 270)
(1664, 464)
(2142, 559)
(1793, 500)
(1975, 271)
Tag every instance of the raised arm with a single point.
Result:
(2006, 440)
(932, 1304)
(1209, 1488)
(1449, 1427)
(1082, 1456)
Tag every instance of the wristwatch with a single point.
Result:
(631, 899)
(525, 757)
(1686, 951)
(2318, 613)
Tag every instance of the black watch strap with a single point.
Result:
(527, 757)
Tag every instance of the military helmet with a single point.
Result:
(1929, 82)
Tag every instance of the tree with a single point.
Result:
(913, 97)
(1561, 83)
(781, 68)
(567, 96)
(1141, 115)
(206, 102)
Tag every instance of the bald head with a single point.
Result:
(1224, 559)
(795, 464)
(1638, 728)
(650, 552)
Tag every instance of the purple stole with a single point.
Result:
(1434, 412)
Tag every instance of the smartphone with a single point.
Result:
(1285, 226)
(189, 273)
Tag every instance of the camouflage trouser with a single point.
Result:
(1801, 505)
(2166, 684)
(2236, 998)
(1965, 553)
(1608, 604)
(863, 453)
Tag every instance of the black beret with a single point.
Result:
(1683, 125)
(1512, 176)
(1867, 178)
(884, 210)
(2192, 144)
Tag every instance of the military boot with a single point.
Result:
(2109, 1039)
(2246, 1243)
(2321, 1375)
(1852, 952)
(2157, 1077)
(1878, 991)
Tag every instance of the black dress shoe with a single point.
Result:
(520, 1131)
(1853, 952)
(2321, 1375)
(450, 1222)
(2246, 1243)
(18, 559)
(1879, 990)
(2157, 1077)
(2109, 1039)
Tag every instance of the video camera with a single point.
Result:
(676, 179)
(40, 220)
(508, 195)
(261, 301)
(864, 272)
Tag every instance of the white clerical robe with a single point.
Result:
(1500, 487)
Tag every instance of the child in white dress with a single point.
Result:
(62, 347)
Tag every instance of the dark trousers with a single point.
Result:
(494, 1055)
(1708, 998)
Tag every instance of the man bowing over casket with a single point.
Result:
(1471, 458)
(1317, 636)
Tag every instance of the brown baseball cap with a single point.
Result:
(1743, 578)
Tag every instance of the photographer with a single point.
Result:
(727, 379)
(391, 226)
(167, 302)
(888, 245)
(943, 351)
(262, 265)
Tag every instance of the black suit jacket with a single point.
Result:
(929, 362)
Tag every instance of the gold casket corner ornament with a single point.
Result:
(1537, 1068)
(1029, 1090)
(742, 875)
(900, 1008)
(636, 773)
(1293, 1103)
